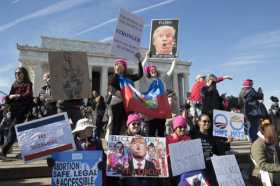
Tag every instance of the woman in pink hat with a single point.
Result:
(249, 101)
(180, 132)
(157, 125)
(120, 71)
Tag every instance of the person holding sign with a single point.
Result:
(118, 110)
(134, 129)
(180, 133)
(20, 101)
(210, 145)
(265, 154)
(156, 86)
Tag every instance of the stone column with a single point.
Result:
(186, 83)
(38, 78)
(104, 81)
(175, 85)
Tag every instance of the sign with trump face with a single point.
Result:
(163, 42)
(136, 156)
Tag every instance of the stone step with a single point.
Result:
(16, 169)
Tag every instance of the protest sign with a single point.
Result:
(186, 156)
(193, 178)
(127, 37)
(69, 75)
(163, 38)
(227, 171)
(265, 178)
(136, 156)
(40, 138)
(227, 124)
(77, 168)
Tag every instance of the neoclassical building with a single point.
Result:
(100, 61)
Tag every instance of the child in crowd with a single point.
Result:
(180, 133)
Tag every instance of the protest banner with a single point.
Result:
(227, 171)
(69, 75)
(40, 138)
(77, 168)
(226, 124)
(163, 38)
(186, 156)
(136, 156)
(127, 37)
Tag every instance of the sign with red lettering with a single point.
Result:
(137, 156)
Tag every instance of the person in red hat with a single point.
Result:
(118, 111)
(249, 102)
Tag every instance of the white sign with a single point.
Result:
(40, 138)
(186, 156)
(228, 124)
(265, 178)
(227, 171)
(127, 37)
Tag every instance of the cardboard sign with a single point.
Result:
(227, 171)
(227, 124)
(127, 37)
(186, 156)
(136, 156)
(77, 168)
(163, 38)
(40, 138)
(69, 75)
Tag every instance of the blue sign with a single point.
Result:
(77, 168)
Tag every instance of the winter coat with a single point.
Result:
(265, 157)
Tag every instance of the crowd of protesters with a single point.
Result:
(97, 116)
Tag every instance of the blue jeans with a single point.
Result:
(253, 126)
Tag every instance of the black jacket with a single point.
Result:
(210, 99)
(134, 77)
(248, 101)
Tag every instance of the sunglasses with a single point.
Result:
(205, 121)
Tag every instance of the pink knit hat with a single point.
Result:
(122, 62)
(132, 118)
(247, 83)
(148, 68)
(179, 121)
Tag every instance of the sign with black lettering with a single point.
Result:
(227, 171)
(127, 37)
(77, 168)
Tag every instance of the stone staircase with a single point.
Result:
(16, 170)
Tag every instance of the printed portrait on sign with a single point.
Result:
(137, 156)
(163, 42)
